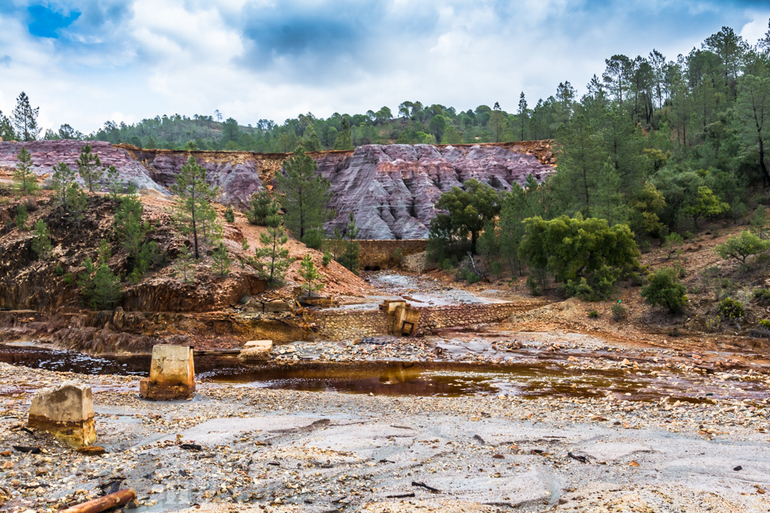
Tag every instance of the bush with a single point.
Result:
(327, 258)
(765, 324)
(229, 214)
(731, 309)
(761, 293)
(593, 314)
(742, 246)
(665, 290)
(619, 312)
(59, 270)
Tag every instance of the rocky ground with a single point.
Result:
(694, 438)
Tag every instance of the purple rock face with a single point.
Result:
(392, 189)
(46, 154)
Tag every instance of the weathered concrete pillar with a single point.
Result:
(256, 351)
(172, 374)
(67, 412)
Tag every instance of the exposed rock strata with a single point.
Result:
(46, 154)
(391, 189)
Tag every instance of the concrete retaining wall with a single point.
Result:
(350, 324)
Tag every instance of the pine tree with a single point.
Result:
(310, 274)
(22, 216)
(305, 194)
(62, 181)
(260, 202)
(345, 137)
(350, 256)
(89, 167)
(24, 118)
(184, 265)
(41, 244)
(222, 261)
(193, 201)
(114, 184)
(272, 260)
(22, 175)
(6, 128)
(129, 227)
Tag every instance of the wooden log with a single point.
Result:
(215, 352)
(104, 503)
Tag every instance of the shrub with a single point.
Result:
(765, 324)
(593, 314)
(742, 246)
(59, 270)
(41, 244)
(21, 216)
(327, 258)
(229, 214)
(665, 290)
(761, 293)
(619, 312)
(730, 309)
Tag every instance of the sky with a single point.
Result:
(85, 62)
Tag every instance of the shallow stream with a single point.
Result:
(547, 377)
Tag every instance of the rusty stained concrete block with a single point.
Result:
(67, 412)
(256, 351)
(172, 374)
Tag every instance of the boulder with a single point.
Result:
(256, 351)
(172, 374)
(67, 412)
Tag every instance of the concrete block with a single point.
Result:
(67, 412)
(172, 374)
(256, 351)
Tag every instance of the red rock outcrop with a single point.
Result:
(391, 189)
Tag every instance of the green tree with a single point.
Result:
(229, 214)
(310, 274)
(23, 176)
(25, 118)
(438, 125)
(89, 167)
(580, 165)
(129, 227)
(310, 140)
(664, 289)
(99, 286)
(305, 194)
(586, 255)
(259, 207)
(184, 265)
(497, 123)
(193, 200)
(752, 110)
(706, 205)
(6, 128)
(345, 137)
(41, 243)
(523, 115)
(272, 259)
(740, 247)
(222, 260)
(114, 184)
(352, 249)
(22, 216)
(63, 181)
(759, 222)
(467, 211)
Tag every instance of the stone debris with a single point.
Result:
(172, 374)
(67, 412)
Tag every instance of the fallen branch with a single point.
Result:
(103, 503)
(423, 485)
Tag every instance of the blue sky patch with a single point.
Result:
(46, 22)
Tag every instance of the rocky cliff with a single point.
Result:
(391, 189)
